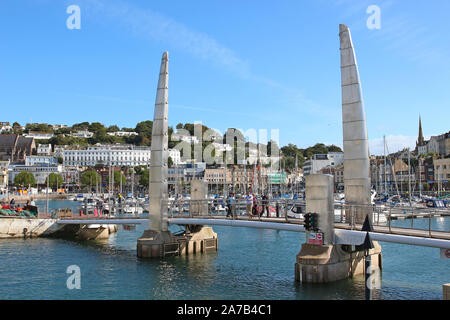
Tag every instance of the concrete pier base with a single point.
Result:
(155, 244)
(328, 263)
(98, 233)
(199, 240)
(446, 291)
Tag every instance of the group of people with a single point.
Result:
(12, 203)
(252, 205)
(252, 208)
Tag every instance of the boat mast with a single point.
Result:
(385, 181)
(409, 176)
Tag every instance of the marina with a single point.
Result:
(251, 264)
(122, 205)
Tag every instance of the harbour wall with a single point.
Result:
(40, 196)
(11, 227)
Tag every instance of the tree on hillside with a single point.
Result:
(113, 128)
(80, 126)
(96, 127)
(17, 128)
(144, 129)
(40, 127)
(290, 152)
(333, 148)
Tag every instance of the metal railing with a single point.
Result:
(293, 210)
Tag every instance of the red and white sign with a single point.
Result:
(315, 238)
(445, 253)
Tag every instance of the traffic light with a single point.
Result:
(314, 221)
(311, 221)
(307, 222)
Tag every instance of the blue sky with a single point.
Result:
(243, 64)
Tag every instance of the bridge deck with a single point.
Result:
(423, 233)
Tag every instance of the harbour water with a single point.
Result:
(250, 264)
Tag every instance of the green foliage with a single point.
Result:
(113, 128)
(17, 128)
(67, 140)
(54, 180)
(138, 169)
(80, 126)
(144, 179)
(144, 129)
(320, 148)
(24, 179)
(90, 177)
(117, 176)
(40, 127)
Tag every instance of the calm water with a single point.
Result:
(250, 264)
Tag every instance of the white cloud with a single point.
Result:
(393, 144)
(147, 23)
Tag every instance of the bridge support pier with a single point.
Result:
(320, 259)
(328, 263)
(196, 239)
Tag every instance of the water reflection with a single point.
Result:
(250, 264)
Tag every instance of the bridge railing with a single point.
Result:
(293, 211)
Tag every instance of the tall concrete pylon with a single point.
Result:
(159, 153)
(355, 139)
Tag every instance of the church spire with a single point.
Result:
(420, 139)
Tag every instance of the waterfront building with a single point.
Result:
(319, 161)
(71, 177)
(39, 172)
(338, 174)
(194, 170)
(442, 170)
(108, 155)
(4, 174)
(40, 160)
(437, 144)
(215, 176)
(15, 148)
(277, 178)
(44, 149)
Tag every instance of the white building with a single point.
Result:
(175, 155)
(108, 155)
(59, 151)
(40, 173)
(40, 160)
(44, 149)
(39, 135)
(184, 138)
(82, 134)
(5, 127)
(59, 126)
(122, 133)
(4, 174)
(320, 161)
